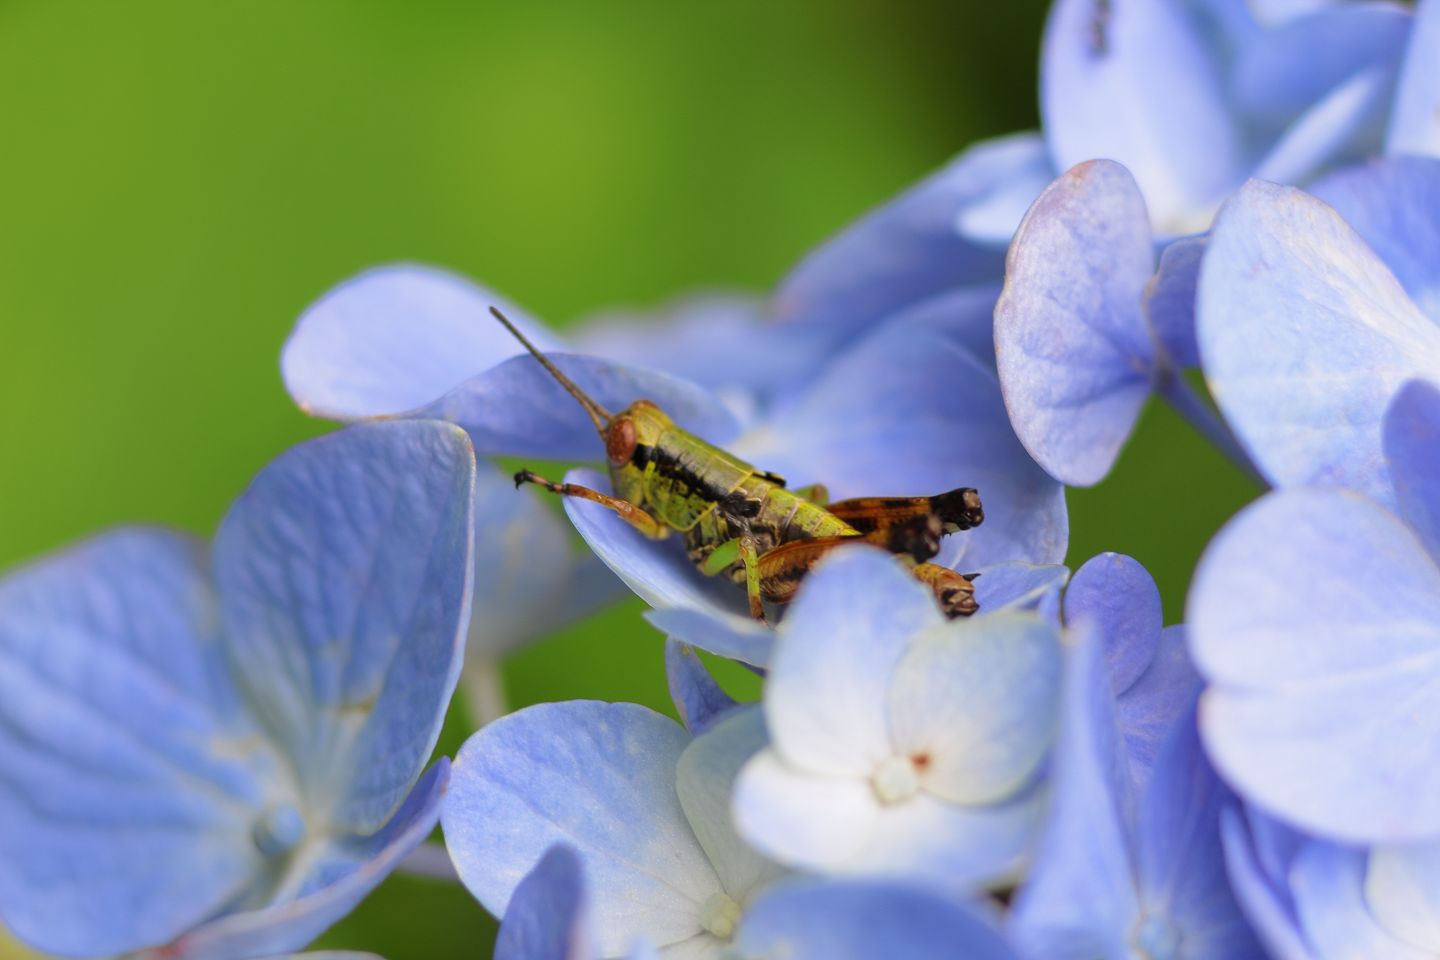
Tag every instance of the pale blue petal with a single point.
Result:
(1020, 586)
(1412, 445)
(1342, 127)
(966, 314)
(1402, 889)
(911, 248)
(395, 338)
(1137, 83)
(863, 920)
(1305, 336)
(1120, 600)
(1079, 899)
(1262, 898)
(344, 877)
(705, 780)
(908, 411)
(658, 571)
(546, 919)
(530, 579)
(1075, 357)
(728, 635)
(518, 409)
(1415, 118)
(130, 779)
(344, 576)
(1315, 615)
(1182, 877)
(978, 699)
(1329, 885)
(698, 699)
(1169, 300)
(826, 699)
(1394, 205)
(1149, 708)
(600, 777)
(992, 215)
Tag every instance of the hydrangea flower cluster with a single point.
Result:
(215, 750)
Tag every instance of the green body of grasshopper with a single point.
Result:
(741, 521)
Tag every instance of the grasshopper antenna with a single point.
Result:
(598, 414)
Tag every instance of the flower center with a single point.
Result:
(720, 915)
(278, 830)
(897, 779)
(1157, 938)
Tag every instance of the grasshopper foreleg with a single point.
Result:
(626, 510)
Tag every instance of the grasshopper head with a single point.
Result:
(631, 438)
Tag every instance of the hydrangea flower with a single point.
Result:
(1121, 872)
(1308, 324)
(214, 752)
(901, 743)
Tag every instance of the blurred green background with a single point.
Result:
(178, 180)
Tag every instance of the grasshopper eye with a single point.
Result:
(620, 441)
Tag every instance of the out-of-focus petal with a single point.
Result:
(1169, 300)
(547, 916)
(1305, 336)
(395, 338)
(344, 574)
(1136, 82)
(863, 920)
(1402, 890)
(726, 635)
(1412, 445)
(600, 777)
(911, 249)
(1074, 353)
(1335, 130)
(132, 779)
(1329, 885)
(705, 780)
(518, 409)
(977, 699)
(345, 877)
(697, 697)
(992, 215)
(908, 411)
(1315, 615)
(1415, 118)
(1394, 204)
(1262, 897)
(1117, 595)
(1020, 586)
(1149, 708)
(826, 699)
(801, 819)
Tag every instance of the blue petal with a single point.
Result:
(910, 249)
(1412, 445)
(1329, 885)
(1136, 82)
(1015, 168)
(1074, 353)
(862, 920)
(1315, 615)
(966, 314)
(349, 873)
(1150, 707)
(344, 577)
(1401, 892)
(530, 579)
(1079, 899)
(1394, 205)
(1169, 300)
(1182, 874)
(518, 409)
(723, 634)
(1305, 336)
(658, 571)
(1415, 118)
(698, 699)
(1120, 600)
(600, 777)
(1263, 899)
(1020, 586)
(132, 777)
(393, 339)
(1342, 127)
(908, 411)
(546, 919)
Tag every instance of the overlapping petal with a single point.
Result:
(698, 699)
(1119, 598)
(1415, 119)
(1412, 446)
(547, 916)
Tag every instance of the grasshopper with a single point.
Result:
(741, 521)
